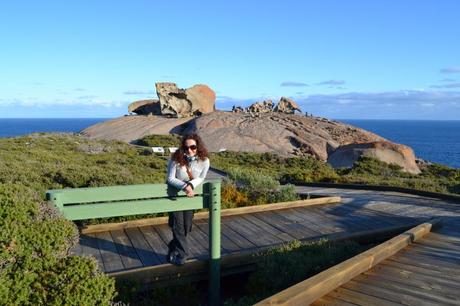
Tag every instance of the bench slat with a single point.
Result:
(113, 209)
(61, 197)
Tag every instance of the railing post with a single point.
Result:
(213, 192)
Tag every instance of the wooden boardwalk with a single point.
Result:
(424, 273)
(360, 211)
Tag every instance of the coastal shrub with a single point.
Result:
(170, 140)
(54, 161)
(35, 265)
(281, 267)
(231, 197)
(259, 187)
(287, 170)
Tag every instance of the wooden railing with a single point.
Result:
(115, 201)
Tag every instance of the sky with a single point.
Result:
(336, 59)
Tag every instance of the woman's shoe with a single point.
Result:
(178, 260)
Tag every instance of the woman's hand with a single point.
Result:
(189, 191)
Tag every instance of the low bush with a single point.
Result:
(259, 187)
(171, 140)
(54, 161)
(282, 267)
(35, 265)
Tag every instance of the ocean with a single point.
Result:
(436, 141)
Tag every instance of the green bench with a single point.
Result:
(116, 201)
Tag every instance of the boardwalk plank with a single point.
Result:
(401, 290)
(296, 230)
(110, 258)
(268, 228)
(387, 274)
(312, 222)
(360, 298)
(126, 250)
(238, 238)
(343, 221)
(155, 242)
(227, 244)
(294, 217)
(89, 247)
(142, 247)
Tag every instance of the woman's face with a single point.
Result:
(190, 147)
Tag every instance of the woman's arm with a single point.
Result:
(171, 176)
(198, 180)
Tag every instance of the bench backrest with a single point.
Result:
(113, 201)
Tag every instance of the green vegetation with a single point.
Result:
(435, 177)
(171, 140)
(54, 161)
(246, 187)
(282, 267)
(35, 268)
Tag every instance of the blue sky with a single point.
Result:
(337, 59)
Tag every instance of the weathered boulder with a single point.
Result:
(287, 106)
(345, 156)
(203, 99)
(265, 106)
(145, 107)
(178, 102)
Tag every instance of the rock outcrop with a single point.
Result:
(265, 106)
(284, 134)
(287, 135)
(179, 103)
(386, 151)
(287, 106)
(145, 107)
(131, 128)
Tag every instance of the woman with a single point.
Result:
(187, 169)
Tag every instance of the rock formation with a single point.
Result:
(145, 107)
(285, 134)
(265, 106)
(399, 154)
(280, 132)
(177, 102)
(287, 106)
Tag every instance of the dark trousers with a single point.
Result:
(181, 225)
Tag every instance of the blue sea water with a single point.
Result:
(10, 127)
(437, 141)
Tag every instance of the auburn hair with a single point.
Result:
(179, 155)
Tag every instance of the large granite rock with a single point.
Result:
(131, 128)
(179, 103)
(145, 107)
(287, 106)
(285, 134)
(386, 151)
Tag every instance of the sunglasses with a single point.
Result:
(192, 147)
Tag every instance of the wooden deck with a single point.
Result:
(424, 273)
(428, 270)
(147, 245)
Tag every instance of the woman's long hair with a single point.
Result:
(179, 155)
